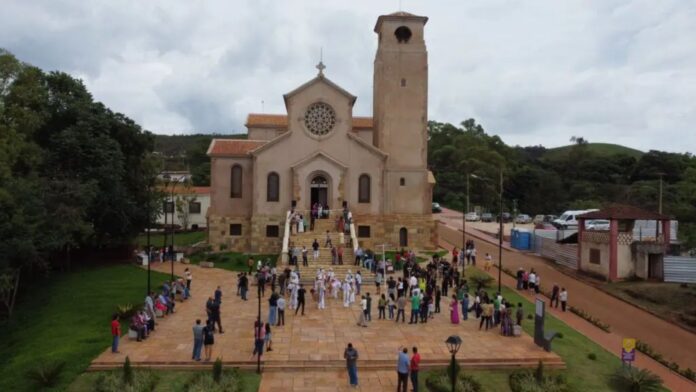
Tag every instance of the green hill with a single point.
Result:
(600, 149)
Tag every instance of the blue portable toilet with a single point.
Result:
(521, 239)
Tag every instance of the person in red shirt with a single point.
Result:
(115, 333)
(415, 366)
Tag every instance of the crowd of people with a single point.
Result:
(142, 322)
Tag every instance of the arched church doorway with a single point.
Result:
(319, 189)
(403, 237)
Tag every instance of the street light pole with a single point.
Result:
(500, 236)
(258, 329)
(464, 216)
(173, 253)
(147, 227)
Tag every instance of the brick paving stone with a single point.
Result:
(319, 337)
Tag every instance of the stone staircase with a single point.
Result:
(321, 226)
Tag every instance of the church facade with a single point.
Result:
(320, 153)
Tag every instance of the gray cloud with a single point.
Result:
(533, 72)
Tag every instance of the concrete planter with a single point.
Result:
(207, 264)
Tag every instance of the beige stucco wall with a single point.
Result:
(603, 267)
(401, 115)
(220, 183)
(291, 158)
(365, 135)
(626, 266)
(255, 133)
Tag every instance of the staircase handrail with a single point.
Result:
(353, 235)
(286, 238)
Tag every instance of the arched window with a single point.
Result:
(236, 182)
(364, 189)
(273, 187)
(403, 237)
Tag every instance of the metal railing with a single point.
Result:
(286, 238)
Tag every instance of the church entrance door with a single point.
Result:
(319, 191)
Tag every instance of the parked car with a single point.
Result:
(436, 207)
(550, 218)
(569, 220)
(507, 217)
(486, 217)
(597, 224)
(523, 218)
(472, 217)
(538, 219)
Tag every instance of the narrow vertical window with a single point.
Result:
(364, 189)
(273, 187)
(236, 182)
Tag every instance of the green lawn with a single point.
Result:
(168, 381)
(180, 239)
(582, 373)
(660, 298)
(66, 318)
(232, 261)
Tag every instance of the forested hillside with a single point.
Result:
(544, 181)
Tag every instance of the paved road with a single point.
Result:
(675, 343)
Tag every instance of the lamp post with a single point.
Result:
(453, 343)
(173, 253)
(147, 227)
(466, 211)
(258, 323)
(500, 236)
(166, 179)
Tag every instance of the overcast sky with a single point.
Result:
(533, 72)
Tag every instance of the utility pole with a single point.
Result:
(500, 237)
(466, 211)
(514, 212)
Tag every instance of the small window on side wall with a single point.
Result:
(402, 181)
(273, 187)
(235, 229)
(364, 189)
(272, 231)
(364, 231)
(595, 256)
(236, 182)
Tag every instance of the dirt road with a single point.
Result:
(675, 343)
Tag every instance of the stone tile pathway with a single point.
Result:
(307, 351)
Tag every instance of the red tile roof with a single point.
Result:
(620, 211)
(281, 121)
(234, 147)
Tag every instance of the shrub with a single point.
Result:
(559, 335)
(649, 351)
(592, 356)
(204, 382)
(217, 370)
(530, 317)
(439, 381)
(126, 311)
(45, 374)
(127, 372)
(526, 381)
(143, 381)
(637, 380)
(594, 321)
(481, 280)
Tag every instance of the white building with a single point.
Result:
(193, 203)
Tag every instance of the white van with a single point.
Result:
(569, 219)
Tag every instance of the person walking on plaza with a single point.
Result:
(208, 340)
(454, 310)
(564, 298)
(197, 340)
(300, 299)
(304, 256)
(315, 250)
(554, 295)
(401, 309)
(415, 308)
(272, 308)
(402, 366)
(519, 313)
(382, 307)
(259, 338)
(415, 367)
(189, 278)
(363, 312)
(115, 333)
(281, 311)
(351, 356)
(368, 312)
(267, 338)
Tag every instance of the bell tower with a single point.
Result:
(400, 99)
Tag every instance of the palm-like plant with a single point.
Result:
(638, 380)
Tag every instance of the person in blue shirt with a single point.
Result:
(402, 367)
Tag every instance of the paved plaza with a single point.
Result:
(308, 350)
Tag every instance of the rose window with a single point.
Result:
(320, 118)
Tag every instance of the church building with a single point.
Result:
(320, 153)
